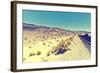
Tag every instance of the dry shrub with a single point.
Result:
(44, 44)
(38, 52)
(31, 54)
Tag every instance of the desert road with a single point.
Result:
(86, 41)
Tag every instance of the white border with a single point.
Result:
(21, 65)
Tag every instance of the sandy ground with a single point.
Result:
(40, 47)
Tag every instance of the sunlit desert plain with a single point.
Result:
(46, 44)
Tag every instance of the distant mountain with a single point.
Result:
(26, 26)
(33, 27)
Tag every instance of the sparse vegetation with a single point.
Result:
(38, 52)
(62, 46)
(30, 47)
(24, 59)
(49, 45)
(68, 43)
(25, 38)
(29, 41)
(71, 38)
(43, 37)
(48, 54)
(31, 54)
(57, 40)
(44, 44)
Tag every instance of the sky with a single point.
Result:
(74, 21)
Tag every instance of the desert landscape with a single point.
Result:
(46, 44)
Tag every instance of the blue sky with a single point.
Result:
(74, 21)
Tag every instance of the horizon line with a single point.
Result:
(56, 27)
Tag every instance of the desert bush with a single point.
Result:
(31, 54)
(48, 54)
(30, 47)
(44, 44)
(29, 41)
(25, 38)
(38, 52)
